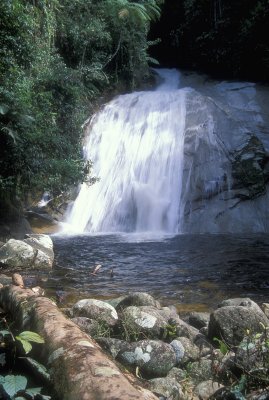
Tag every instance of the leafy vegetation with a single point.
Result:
(249, 369)
(56, 58)
(15, 387)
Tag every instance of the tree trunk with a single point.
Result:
(79, 369)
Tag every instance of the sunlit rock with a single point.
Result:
(35, 252)
(143, 320)
(138, 299)
(97, 310)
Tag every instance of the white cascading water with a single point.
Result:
(136, 146)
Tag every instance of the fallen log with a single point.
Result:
(79, 369)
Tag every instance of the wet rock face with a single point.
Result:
(35, 252)
(233, 318)
(248, 168)
(153, 357)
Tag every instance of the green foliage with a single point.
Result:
(129, 330)
(248, 371)
(56, 58)
(169, 332)
(12, 384)
(26, 337)
(14, 387)
(223, 347)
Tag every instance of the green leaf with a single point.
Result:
(222, 346)
(25, 344)
(30, 337)
(4, 109)
(244, 345)
(4, 332)
(39, 368)
(238, 395)
(33, 391)
(10, 133)
(13, 383)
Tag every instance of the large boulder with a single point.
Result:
(234, 317)
(97, 310)
(35, 252)
(147, 321)
(154, 358)
(42, 243)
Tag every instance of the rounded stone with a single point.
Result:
(234, 317)
(97, 310)
(138, 299)
(179, 350)
(154, 358)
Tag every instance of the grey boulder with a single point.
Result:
(35, 252)
(154, 358)
(138, 299)
(234, 317)
(97, 310)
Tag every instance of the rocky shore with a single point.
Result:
(221, 355)
(156, 353)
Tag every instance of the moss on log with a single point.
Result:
(79, 369)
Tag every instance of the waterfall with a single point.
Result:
(165, 159)
(136, 144)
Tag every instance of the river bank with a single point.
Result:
(160, 353)
(171, 349)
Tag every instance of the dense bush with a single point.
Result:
(56, 58)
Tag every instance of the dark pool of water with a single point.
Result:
(192, 271)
